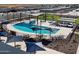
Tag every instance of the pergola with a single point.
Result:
(36, 15)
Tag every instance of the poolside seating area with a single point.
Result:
(17, 41)
(14, 41)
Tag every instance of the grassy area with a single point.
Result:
(49, 17)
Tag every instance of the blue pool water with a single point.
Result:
(34, 28)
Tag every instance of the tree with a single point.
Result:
(56, 18)
(49, 17)
(41, 17)
(46, 16)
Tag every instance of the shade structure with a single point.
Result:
(33, 47)
(7, 49)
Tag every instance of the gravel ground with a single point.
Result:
(64, 47)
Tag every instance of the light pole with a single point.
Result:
(29, 14)
(37, 19)
(45, 17)
(40, 29)
(50, 32)
(20, 16)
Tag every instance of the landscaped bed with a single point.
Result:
(64, 47)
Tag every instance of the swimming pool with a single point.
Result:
(35, 29)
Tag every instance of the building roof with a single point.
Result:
(7, 49)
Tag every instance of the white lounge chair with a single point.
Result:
(3, 39)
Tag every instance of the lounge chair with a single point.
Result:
(59, 37)
(3, 39)
(52, 22)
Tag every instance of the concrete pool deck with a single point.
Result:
(63, 30)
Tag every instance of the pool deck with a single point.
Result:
(63, 30)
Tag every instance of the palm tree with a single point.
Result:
(45, 16)
(49, 16)
(41, 17)
(76, 23)
(20, 16)
(57, 19)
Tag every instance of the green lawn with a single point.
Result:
(50, 17)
